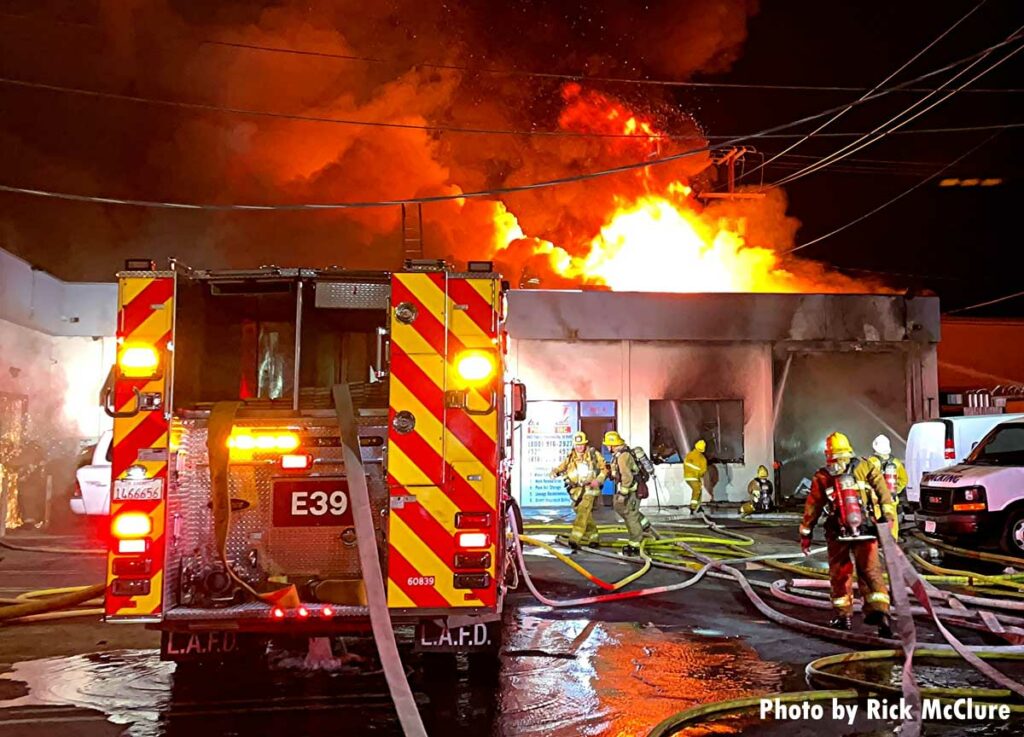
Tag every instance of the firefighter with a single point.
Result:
(626, 502)
(762, 494)
(584, 470)
(695, 465)
(894, 473)
(847, 532)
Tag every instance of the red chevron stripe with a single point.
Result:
(430, 531)
(477, 308)
(426, 324)
(401, 570)
(459, 423)
(462, 495)
(420, 453)
(136, 312)
(143, 435)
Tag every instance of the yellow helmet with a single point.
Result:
(762, 472)
(837, 446)
(579, 438)
(612, 439)
(700, 445)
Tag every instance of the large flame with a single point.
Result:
(656, 235)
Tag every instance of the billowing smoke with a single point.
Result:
(418, 63)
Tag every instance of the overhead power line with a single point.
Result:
(911, 131)
(573, 77)
(987, 303)
(847, 109)
(900, 196)
(493, 192)
(569, 77)
(875, 135)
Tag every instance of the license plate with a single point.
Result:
(127, 490)
(312, 503)
(432, 636)
(929, 525)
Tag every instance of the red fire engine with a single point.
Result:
(232, 514)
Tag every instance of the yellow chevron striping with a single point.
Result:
(154, 327)
(430, 427)
(397, 598)
(404, 471)
(426, 561)
(132, 286)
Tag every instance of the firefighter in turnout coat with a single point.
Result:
(844, 471)
(624, 471)
(695, 466)
(585, 471)
(761, 492)
(894, 473)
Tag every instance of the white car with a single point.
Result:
(981, 499)
(935, 444)
(92, 479)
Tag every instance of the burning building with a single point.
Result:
(763, 378)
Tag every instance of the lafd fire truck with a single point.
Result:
(231, 510)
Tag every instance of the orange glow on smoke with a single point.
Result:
(654, 234)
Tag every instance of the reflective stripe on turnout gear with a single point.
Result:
(843, 601)
(805, 531)
(878, 597)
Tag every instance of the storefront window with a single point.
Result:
(547, 438)
(676, 424)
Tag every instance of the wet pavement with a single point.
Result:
(613, 670)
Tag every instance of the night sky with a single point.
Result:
(956, 241)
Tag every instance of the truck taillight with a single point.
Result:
(133, 546)
(950, 453)
(473, 520)
(296, 461)
(468, 540)
(131, 525)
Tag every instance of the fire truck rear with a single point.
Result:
(231, 513)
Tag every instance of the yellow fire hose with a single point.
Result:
(1006, 560)
(72, 597)
(670, 553)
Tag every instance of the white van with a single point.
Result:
(935, 444)
(91, 495)
(982, 499)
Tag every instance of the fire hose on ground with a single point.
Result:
(51, 603)
(899, 570)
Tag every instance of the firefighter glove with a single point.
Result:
(805, 544)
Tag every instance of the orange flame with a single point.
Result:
(657, 236)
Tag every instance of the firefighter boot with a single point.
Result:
(631, 550)
(841, 622)
(882, 620)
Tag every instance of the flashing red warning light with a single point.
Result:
(131, 525)
(302, 612)
(277, 613)
(327, 612)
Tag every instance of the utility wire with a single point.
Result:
(898, 197)
(874, 89)
(957, 129)
(208, 107)
(860, 144)
(585, 176)
(578, 77)
(572, 77)
(995, 301)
